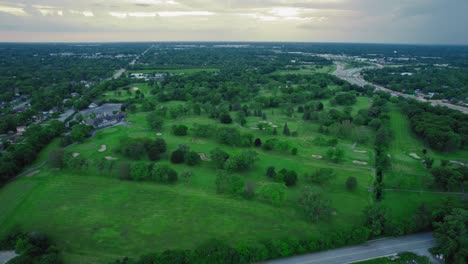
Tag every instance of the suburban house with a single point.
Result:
(105, 120)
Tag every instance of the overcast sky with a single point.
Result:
(375, 21)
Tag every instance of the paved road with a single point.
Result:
(120, 72)
(418, 244)
(353, 76)
(5, 256)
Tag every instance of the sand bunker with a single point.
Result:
(274, 126)
(32, 173)
(110, 158)
(458, 162)
(414, 155)
(317, 156)
(254, 128)
(360, 162)
(360, 151)
(135, 89)
(204, 157)
(75, 154)
(158, 134)
(103, 148)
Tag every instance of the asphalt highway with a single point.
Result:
(418, 244)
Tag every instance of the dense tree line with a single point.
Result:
(446, 83)
(441, 128)
(216, 251)
(32, 248)
(20, 154)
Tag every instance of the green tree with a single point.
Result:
(351, 183)
(192, 158)
(275, 193)
(179, 130)
(313, 205)
(178, 156)
(225, 118)
(271, 172)
(163, 174)
(286, 131)
(219, 157)
(451, 235)
(376, 218)
(154, 120)
(139, 171)
(80, 132)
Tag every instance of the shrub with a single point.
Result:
(192, 158)
(178, 156)
(351, 183)
(179, 130)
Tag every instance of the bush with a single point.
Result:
(178, 156)
(179, 130)
(290, 178)
(351, 183)
(225, 118)
(163, 174)
(192, 158)
(139, 171)
(271, 173)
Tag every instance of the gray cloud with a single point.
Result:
(396, 21)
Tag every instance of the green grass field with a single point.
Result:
(128, 93)
(95, 217)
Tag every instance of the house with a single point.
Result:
(105, 120)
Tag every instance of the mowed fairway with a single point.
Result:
(408, 172)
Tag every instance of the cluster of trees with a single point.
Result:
(19, 155)
(224, 135)
(217, 251)
(344, 98)
(447, 83)
(183, 154)
(450, 177)
(32, 248)
(142, 171)
(383, 137)
(288, 177)
(442, 128)
(242, 161)
(137, 148)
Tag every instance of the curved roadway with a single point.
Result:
(353, 76)
(419, 244)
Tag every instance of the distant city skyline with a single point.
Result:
(360, 21)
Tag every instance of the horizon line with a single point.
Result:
(233, 41)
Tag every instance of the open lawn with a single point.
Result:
(126, 93)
